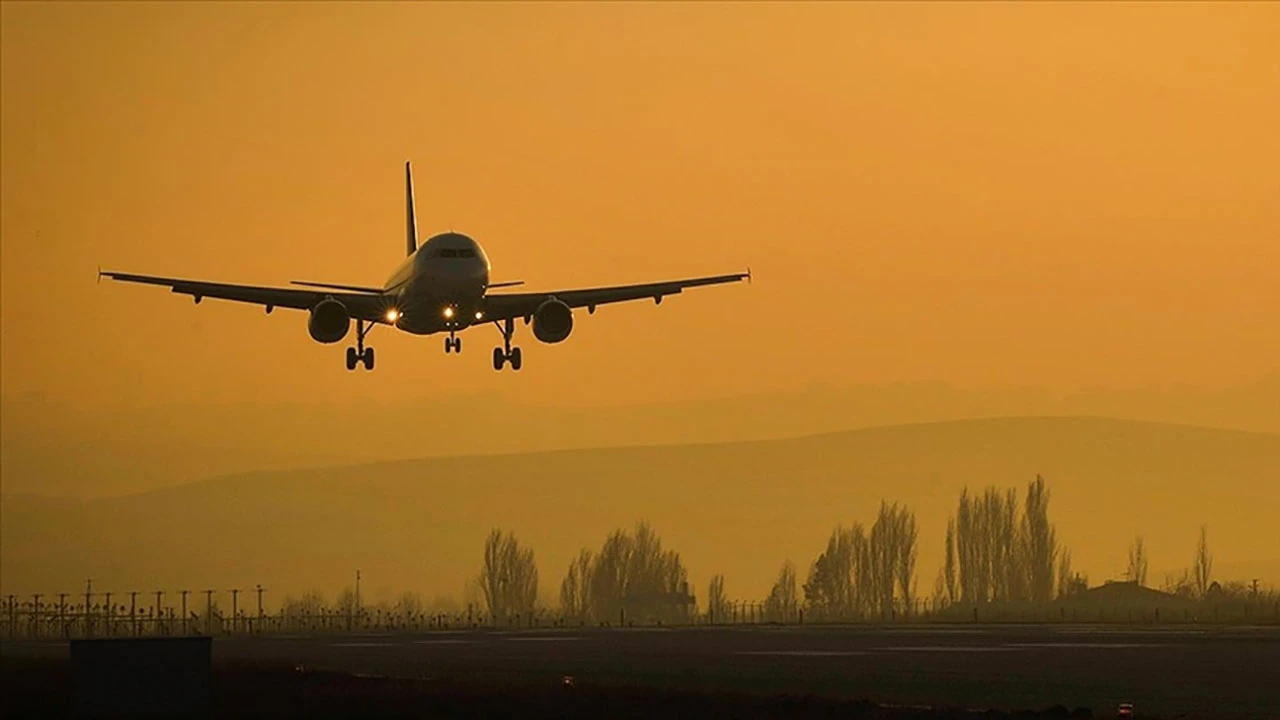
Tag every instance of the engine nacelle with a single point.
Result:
(329, 322)
(552, 321)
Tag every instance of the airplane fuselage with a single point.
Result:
(441, 286)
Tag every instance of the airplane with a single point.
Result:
(441, 287)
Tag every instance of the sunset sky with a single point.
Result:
(988, 195)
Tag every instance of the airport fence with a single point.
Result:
(161, 614)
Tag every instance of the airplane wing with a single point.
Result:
(361, 305)
(514, 305)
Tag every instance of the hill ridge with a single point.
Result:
(735, 508)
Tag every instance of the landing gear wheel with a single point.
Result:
(506, 353)
(457, 345)
(448, 345)
(360, 354)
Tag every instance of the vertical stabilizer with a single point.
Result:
(410, 215)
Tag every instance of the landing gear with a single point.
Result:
(452, 344)
(506, 353)
(360, 354)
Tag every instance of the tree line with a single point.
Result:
(998, 550)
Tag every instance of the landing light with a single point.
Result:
(479, 315)
(448, 312)
(393, 315)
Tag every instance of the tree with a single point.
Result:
(884, 557)
(829, 588)
(348, 603)
(408, 607)
(1069, 583)
(995, 556)
(1039, 542)
(304, 612)
(575, 589)
(1064, 573)
(633, 573)
(966, 551)
(781, 603)
(1202, 568)
(509, 577)
(1182, 585)
(608, 584)
(717, 602)
(1137, 571)
(906, 560)
(949, 563)
(861, 596)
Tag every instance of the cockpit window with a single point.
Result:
(456, 252)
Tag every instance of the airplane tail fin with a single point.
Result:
(410, 215)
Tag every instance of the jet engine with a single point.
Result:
(329, 321)
(552, 321)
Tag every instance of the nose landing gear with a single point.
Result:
(360, 354)
(452, 344)
(506, 353)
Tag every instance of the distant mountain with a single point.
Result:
(736, 508)
(55, 448)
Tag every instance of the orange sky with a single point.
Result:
(990, 195)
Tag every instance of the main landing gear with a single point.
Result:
(506, 353)
(452, 343)
(360, 354)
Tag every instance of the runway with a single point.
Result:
(1165, 671)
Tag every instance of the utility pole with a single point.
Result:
(110, 611)
(208, 612)
(62, 613)
(159, 614)
(88, 595)
(350, 619)
(235, 607)
(133, 610)
(260, 616)
(186, 625)
(35, 618)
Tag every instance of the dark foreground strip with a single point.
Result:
(42, 688)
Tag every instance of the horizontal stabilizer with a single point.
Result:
(510, 283)
(332, 286)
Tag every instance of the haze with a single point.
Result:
(1016, 203)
